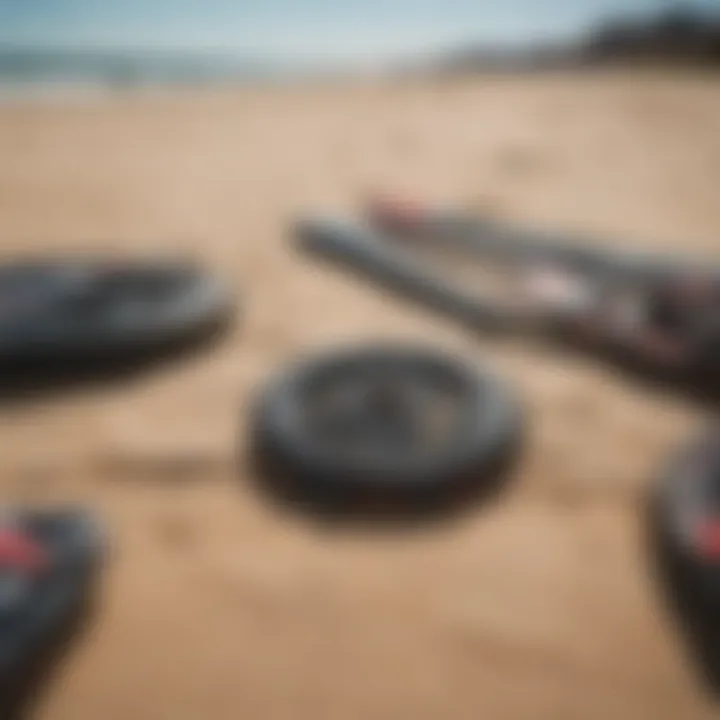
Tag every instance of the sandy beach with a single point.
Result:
(541, 607)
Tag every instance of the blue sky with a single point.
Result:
(304, 29)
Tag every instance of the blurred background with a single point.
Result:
(205, 128)
(189, 42)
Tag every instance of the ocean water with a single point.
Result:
(37, 89)
(29, 74)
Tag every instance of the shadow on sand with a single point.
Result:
(33, 382)
(331, 508)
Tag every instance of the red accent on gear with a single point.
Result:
(398, 212)
(21, 552)
(708, 539)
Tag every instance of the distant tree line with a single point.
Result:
(680, 34)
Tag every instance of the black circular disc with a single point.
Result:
(383, 428)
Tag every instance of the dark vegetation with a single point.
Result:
(681, 35)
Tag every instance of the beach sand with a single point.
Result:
(541, 607)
